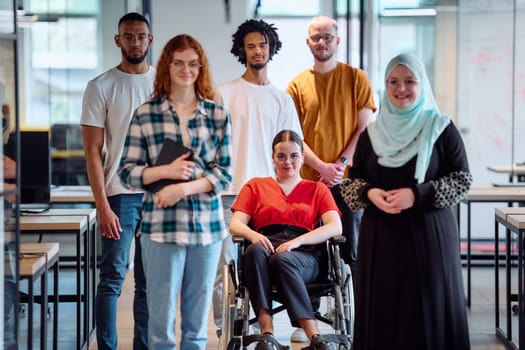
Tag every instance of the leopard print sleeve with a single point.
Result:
(451, 189)
(350, 189)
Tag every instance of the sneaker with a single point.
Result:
(319, 342)
(299, 336)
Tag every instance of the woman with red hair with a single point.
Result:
(182, 223)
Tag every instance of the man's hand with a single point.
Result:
(331, 174)
(108, 224)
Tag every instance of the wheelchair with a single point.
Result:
(336, 286)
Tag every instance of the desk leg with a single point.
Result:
(43, 309)
(30, 299)
(508, 267)
(496, 273)
(521, 304)
(94, 236)
(55, 305)
(79, 296)
(87, 272)
(469, 278)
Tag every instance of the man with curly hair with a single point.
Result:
(259, 110)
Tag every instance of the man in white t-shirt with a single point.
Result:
(259, 110)
(108, 105)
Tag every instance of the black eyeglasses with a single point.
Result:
(327, 38)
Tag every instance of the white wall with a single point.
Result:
(206, 21)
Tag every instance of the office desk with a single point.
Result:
(77, 225)
(30, 268)
(501, 217)
(487, 194)
(90, 280)
(517, 170)
(72, 194)
(514, 223)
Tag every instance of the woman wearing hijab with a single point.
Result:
(409, 169)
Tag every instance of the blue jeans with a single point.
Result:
(171, 269)
(113, 267)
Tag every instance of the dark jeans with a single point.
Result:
(289, 272)
(113, 266)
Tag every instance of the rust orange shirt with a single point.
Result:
(327, 105)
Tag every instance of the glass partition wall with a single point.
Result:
(8, 171)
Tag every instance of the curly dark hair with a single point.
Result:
(255, 26)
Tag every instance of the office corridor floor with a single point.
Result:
(481, 317)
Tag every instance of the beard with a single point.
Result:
(133, 59)
(257, 66)
(321, 57)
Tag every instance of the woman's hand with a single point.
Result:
(288, 246)
(393, 201)
(258, 238)
(169, 195)
(180, 168)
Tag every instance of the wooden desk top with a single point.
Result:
(52, 222)
(31, 264)
(502, 213)
(50, 249)
(72, 194)
(495, 194)
(90, 212)
(516, 222)
(507, 169)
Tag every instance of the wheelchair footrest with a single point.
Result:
(248, 339)
(341, 339)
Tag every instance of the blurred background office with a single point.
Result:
(473, 50)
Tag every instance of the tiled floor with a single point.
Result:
(481, 316)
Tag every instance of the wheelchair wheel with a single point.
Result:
(348, 301)
(235, 344)
(228, 309)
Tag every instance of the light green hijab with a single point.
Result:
(397, 135)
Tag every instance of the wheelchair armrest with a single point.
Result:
(238, 239)
(338, 240)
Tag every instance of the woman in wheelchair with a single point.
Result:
(280, 217)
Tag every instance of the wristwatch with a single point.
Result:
(344, 160)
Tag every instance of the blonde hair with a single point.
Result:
(323, 20)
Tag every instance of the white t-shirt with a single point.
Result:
(258, 113)
(109, 102)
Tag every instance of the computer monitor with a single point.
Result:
(35, 170)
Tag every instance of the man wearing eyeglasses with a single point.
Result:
(334, 102)
(107, 107)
